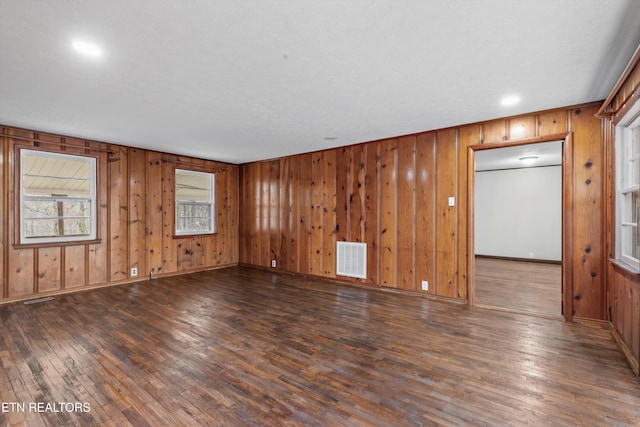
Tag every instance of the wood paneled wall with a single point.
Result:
(135, 226)
(623, 288)
(393, 195)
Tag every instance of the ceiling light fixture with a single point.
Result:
(528, 160)
(87, 49)
(509, 101)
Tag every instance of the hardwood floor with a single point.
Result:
(519, 285)
(245, 347)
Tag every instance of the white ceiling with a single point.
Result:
(239, 81)
(547, 153)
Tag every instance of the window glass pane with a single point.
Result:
(58, 195)
(194, 201)
(630, 240)
(46, 176)
(632, 173)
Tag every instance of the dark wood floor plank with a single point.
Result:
(534, 287)
(244, 347)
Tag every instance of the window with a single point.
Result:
(194, 202)
(57, 197)
(627, 186)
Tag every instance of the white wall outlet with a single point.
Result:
(273, 263)
(134, 271)
(452, 201)
(530, 254)
(425, 285)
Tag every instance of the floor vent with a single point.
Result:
(351, 259)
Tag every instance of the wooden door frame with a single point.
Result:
(567, 213)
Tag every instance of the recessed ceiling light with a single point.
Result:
(528, 160)
(510, 100)
(87, 49)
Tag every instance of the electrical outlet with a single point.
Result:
(425, 285)
(530, 254)
(273, 263)
(134, 271)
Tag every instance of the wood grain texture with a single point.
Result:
(425, 211)
(118, 206)
(135, 221)
(588, 236)
(394, 198)
(242, 347)
(389, 213)
(622, 286)
(532, 287)
(446, 280)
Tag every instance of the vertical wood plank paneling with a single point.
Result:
(552, 122)
(522, 127)
(137, 210)
(233, 187)
(133, 228)
(273, 231)
(21, 272)
(256, 210)
(75, 264)
(344, 190)
(425, 210)
(118, 214)
(388, 213)
(3, 211)
(293, 225)
(284, 211)
(329, 213)
(372, 212)
(98, 257)
(233, 236)
(494, 131)
(184, 256)
(154, 213)
(406, 212)
(305, 206)
(169, 244)
(357, 194)
(317, 233)
(588, 270)
(49, 277)
(469, 135)
(446, 220)
(198, 249)
(218, 244)
(265, 214)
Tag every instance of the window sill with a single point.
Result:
(627, 268)
(190, 236)
(56, 244)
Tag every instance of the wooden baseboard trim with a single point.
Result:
(106, 285)
(543, 261)
(358, 284)
(593, 323)
(628, 355)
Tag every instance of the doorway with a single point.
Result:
(519, 202)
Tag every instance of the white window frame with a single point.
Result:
(627, 169)
(92, 235)
(212, 204)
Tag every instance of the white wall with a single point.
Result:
(518, 212)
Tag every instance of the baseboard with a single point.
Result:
(542, 261)
(632, 361)
(105, 285)
(358, 284)
(592, 323)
